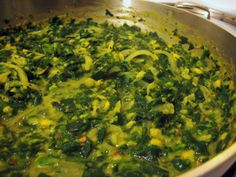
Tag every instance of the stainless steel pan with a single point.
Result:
(156, 17)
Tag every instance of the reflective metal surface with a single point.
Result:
(156, 17)
(206, 11)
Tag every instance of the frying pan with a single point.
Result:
(151, 16)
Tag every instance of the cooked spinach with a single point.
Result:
(91, 99)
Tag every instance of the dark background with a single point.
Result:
(231, 172)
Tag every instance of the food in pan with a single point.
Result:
(81, 98)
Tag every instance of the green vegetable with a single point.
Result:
(91, 99)
(180, 164)
(93, 172)
(86, 149)
(46, 161)
(71, 147)
(108, 13)
(101, 134)
(43, 175)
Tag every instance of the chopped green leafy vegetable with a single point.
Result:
(81, 98)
